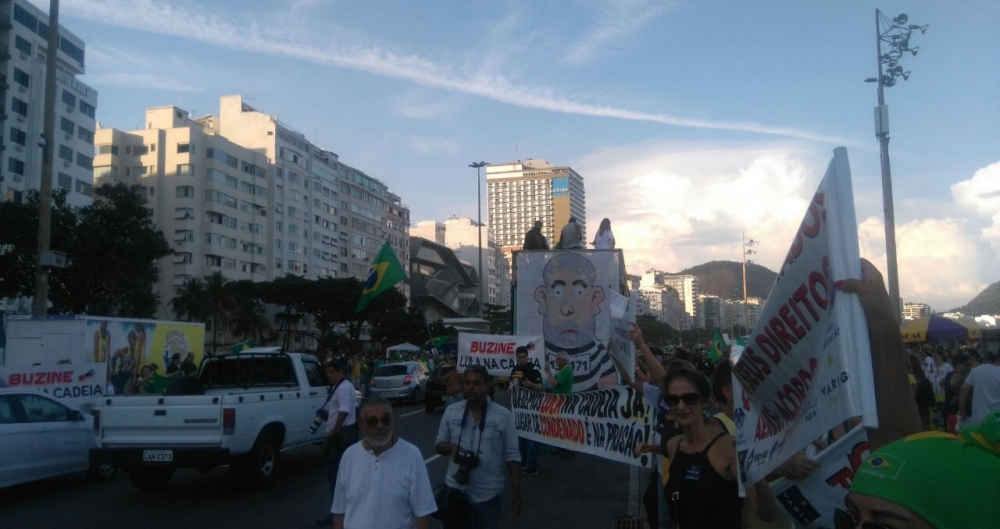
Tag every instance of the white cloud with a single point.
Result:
(618, 20)
(281, 37)
(419, 106)
(434, 145)
(981, 194)
(146, 81)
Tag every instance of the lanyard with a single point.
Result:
(482, 426)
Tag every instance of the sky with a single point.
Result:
(692, 122)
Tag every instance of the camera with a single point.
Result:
(321, 415)
(467, 460)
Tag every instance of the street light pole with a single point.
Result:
(896, 34)
(479, 228)
(746, 306)
(41, 300)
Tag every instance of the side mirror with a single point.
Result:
(76, 416)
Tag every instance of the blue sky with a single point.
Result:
(691, 121)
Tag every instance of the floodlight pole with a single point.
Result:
(40, 303)
(479, 228)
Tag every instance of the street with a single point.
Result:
(582, 491)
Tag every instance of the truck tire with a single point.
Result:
(258, 469)
(430, 403)
(150, 479)
(102, 471)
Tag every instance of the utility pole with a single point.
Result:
(41, 300)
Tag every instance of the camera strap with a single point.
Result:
(482, 426)
(330, 395)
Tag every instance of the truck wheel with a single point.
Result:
(258, 469)
(429, 405)
(150, 479)
(102, 471)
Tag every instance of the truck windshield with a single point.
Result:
(248, 370)
(391, 370)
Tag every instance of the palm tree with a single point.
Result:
(220, 303)
(190, 301)
(248, 318)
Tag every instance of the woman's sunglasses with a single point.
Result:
(690, 399)
(847, 520)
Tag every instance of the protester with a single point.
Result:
(562, 382)
(533, 238)
(985, 379)
(341, 427)
(604, 239)
(952, 384)
(657, 509)
(188, 367)
(480, 439)
(571, 235)
(526, 375)
(924, 393)
(382, 481)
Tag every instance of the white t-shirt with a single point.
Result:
(985, 381)
(604, 241)
(389, 491)
(342, 400)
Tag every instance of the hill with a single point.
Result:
(725, 279)
(986, 302)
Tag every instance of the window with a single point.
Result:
(277, 226)
(183, 235)
(185, 191)
(65, 181)
(221, 198)
(18, 136)
(139, 150)
(21, 77)
(15, 166)
(41, 409)
(183, 147)
(66, 153)
(185, 169)
(106, 149)
(231, 161)
(85, 135)
(19, 107)
(183, 213)
(69, 98)
(22, 45)
(66, 125)
(105, 170)
(222, 178)
(87, 109)
(84, 161)
(84, 188)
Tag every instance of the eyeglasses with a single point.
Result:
(372, 422)
(472, 383)
(690, 399)
(848, 520)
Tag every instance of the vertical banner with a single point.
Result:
(608, 423)
(807, 364)
(496, 352)
(76, 384)
(566, 296)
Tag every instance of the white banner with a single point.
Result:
(811, 501)
(496, 352)
(606, 422)
(77, 384)
(807, 364)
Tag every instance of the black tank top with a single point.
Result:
(699, 497)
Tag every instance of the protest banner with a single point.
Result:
(807, 364)
(811, 501)
(608, 423)
(566, 296)
(495, 352)
(77, 384)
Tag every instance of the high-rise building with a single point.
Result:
(687, 289)
(521, 192)
(24, 32)
(461, 235)
(913, 311)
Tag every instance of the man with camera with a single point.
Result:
(341, 428)
(479, 437)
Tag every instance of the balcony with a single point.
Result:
(5, 22)
(4, 52)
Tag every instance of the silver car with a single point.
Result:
(405, 380)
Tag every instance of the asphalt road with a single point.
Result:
(580, 492)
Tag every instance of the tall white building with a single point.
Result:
(24, 33)
(521, 192)
(687, 289)
(461, 235)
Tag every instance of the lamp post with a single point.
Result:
(895, 34)
(479, 228)
(746, 251)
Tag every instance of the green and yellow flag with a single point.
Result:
(243, 346)
(718, 344)
(385, 272)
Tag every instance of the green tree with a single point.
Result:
(114, 253)
(501, 318)
(19, 243)
(655, 332)
(220, 303)
(247, 318)
(190, 302)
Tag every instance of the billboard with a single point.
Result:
(125, 346)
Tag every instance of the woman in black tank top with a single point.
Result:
(701, 490)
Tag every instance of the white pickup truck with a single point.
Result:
(241, 410)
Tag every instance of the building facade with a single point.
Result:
(521, 192)
(462, 235)
(913, 311)
(24, 33)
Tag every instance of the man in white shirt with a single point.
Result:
(383, 480)
(341, 427)
(985, 379)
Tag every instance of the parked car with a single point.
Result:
(403, 380)
(437, 390)
(41, 437)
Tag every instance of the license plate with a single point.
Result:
(391, 394)
(158, 456)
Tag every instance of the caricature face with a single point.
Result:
(569, 301)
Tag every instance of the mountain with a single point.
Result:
(986, 302)
(725, 279)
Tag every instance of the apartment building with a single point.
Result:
(24, 31)
(914, 311)
(461, 235)
(521, 192)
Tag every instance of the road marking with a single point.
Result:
(432, 458)
(412, 413)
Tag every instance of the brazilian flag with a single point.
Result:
(385, 272)
(718, 344)
(243, 346)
